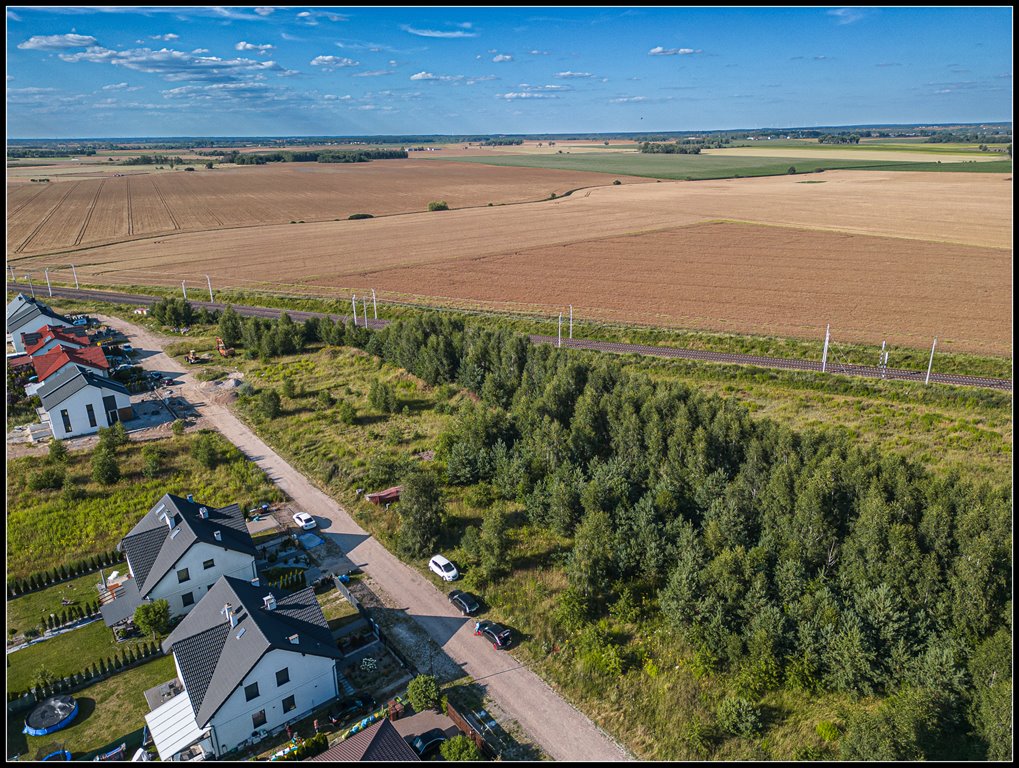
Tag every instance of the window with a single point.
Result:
(283, 676)
(91, 414)
(209, 564)
(289, 703)
(251, 692)
(258, 719)
(67, 420)
(187, 598)
(183, 575)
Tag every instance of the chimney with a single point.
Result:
(169, 520)
(204, 513)
(228, 611)
(254, 582)
(217, 535)
(269, 602)
(191, 497)
(294, 639)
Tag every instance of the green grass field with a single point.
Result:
(27, 611)
(46, 529)
(701, 167)
(108, 712)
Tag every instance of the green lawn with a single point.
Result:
(65, 654)
(108, 711)
(28, 611)
(699, 167)
(46, 528)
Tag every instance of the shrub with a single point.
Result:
(152, 461)
(616, 182)
(460, 748)
(324, 399)
(827, 730)
(48, 478)
(739, 717)
(114, 437)
(382, 397)
(177, 427)
(269, 405)
(792, 169)
(345, 412)
(423, 692)
(58, 452)
(355, 216)
(153, 617)
(289, 388)
(204, 451)
(105, 469)
(438, 205)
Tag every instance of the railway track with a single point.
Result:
(868, 371)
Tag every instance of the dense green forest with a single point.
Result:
(312, 156)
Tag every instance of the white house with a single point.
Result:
(25, 315)
(177, 552)
(250, 661)
(93, 359)
(78, 402)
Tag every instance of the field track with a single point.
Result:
(602, 346)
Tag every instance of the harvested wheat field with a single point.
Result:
(65, 214)
(932, 256)
(747, 279)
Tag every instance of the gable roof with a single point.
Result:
(214, 658)
(38, 339)
(18, 303)
(33, 312)
(152, 551)
(52, 361)
(378, 742)
(70, 380)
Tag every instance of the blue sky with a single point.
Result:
(309, 70)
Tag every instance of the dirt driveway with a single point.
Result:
(554, 724)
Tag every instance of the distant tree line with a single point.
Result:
(839, 138)
(967, 138)
(15, 153)
(675, 148)
(170, 160)
(500, 142)
(313, 156)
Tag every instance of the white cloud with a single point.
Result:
(169, 37)
(660, 51)
(310, 18)
(375, 73)
(573, 74)
(333, 97)
(628, 99)
(441, 78)
(264, 10)
(176, 65)
(502, 57)
(286, 36)
(12, 16)
(437, 33)
(526, 87)
(527, 95)
(57, 42)
(847, 15)
(538, 53)
(200, 50)
(121, 87)
(263, 49)
(329, 63)
(481, 79)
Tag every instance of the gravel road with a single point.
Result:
(554, 724)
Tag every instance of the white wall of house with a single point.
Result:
(31, 327)
(227, 562)
(312, 684)
(77, 412)
(33, 387)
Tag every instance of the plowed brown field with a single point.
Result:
(902, 256)
(258, 195)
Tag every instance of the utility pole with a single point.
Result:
(824, 355)
(353, 303)
(29, 278)
(11, 268)
(184, 289)
(75, 273)
(560, 329)
(375, 307)
(364, 310)
(931, 363)
(881, 359)
(571, 321)
(209, 281)
(48, 286)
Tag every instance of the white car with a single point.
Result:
(305, 521)
(444, 569)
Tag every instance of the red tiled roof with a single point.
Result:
(55, 359)
(20, 361)
(35, 341)
(378, 742)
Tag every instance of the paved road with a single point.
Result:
(556, 726)
(868, 371)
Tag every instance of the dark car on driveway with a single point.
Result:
(350, 709)
(428, 742)
(464, 602)
(498, 635)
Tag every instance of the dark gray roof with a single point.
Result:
(152, 552)
(32, 312)
(71, 380)
(214, 657)
(123, 606)
(18, 303)
(380, 742)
